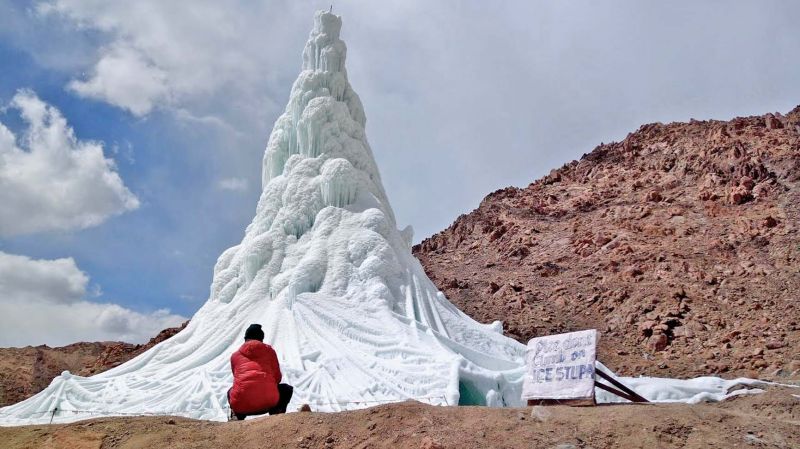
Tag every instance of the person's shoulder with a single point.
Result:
(237, 352)
(270, 351)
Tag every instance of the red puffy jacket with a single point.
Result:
(256, 375)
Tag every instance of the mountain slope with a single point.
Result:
(27, 371)
(680, 244)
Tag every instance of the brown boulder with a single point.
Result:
(770, 222)
(658, 342)
(774, 344)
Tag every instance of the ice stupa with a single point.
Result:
(353, 316)
(323, 267)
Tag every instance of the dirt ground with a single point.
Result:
(768, 420)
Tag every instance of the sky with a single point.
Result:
(132, 133)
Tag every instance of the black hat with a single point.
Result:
(254, 332)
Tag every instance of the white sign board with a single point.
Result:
(561, 366)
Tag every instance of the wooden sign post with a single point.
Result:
(561, 369)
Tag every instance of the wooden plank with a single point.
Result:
(614, 391)
(632, 395)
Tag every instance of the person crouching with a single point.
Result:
(257, 375)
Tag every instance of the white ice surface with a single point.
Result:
(692, 391)
(354, 318)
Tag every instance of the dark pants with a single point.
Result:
(285, 392)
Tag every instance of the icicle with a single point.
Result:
(339, 183)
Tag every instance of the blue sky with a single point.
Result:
(461, 98)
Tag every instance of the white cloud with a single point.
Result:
(50, 180)
(560, 77)
(28, 280)
(44, 302)
(124, 78)
(233, 184)
(185, 54)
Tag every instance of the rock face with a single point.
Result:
(27, 371)
(680, 244)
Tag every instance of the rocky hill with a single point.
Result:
(681, 244)
(27, 371)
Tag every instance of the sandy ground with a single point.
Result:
(766, 420)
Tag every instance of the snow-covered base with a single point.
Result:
(189, 374)
(351, 313)
(200, 392)
(690, 391)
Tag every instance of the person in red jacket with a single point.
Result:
(257, 375)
